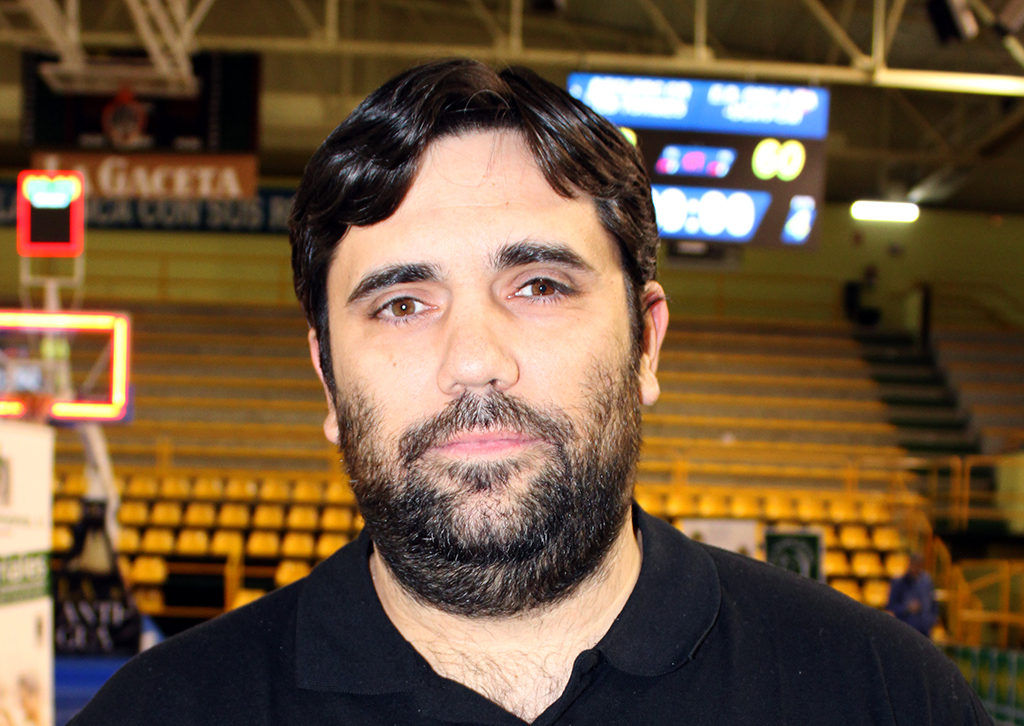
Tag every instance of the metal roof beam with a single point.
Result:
(58, 30)
(305, 16)
(663, 27)
(833, 28)
(487, 19)
(892, 22)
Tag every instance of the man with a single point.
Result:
(475, 253)
(912, 597)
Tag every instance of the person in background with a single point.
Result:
(912, 597)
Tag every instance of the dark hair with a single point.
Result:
(362, 172)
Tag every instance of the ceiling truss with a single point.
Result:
(170, 30)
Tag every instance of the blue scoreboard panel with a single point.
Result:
(729, 162)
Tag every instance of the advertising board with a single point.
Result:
(26, 609)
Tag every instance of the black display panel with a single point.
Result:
(224, 117)
(730, 162)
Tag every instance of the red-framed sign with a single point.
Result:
(116, 325)
(51, 213)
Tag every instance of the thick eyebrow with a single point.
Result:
(394, 275)
(528, 252)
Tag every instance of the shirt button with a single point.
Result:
(588, 661)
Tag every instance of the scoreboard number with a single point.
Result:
(783, 160)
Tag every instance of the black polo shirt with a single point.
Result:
(707, 637)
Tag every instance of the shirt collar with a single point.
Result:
(345, 641)
(672, 608)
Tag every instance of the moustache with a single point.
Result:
(470, 412)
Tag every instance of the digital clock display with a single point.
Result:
(729, 162)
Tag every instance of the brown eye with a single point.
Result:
(402, 307)
(538, 288)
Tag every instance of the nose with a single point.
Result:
(478, 351)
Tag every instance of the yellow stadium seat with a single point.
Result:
(357, 522)
(745, 506)
(128, 541)
(275, 490)
(886, 538)
(829, 537)
(288, 571)
(875, 511)
(157, 541)
(896, 564)
(854, 537)
(778, 507)
(843, 510)
(307, 492)
(246, 596)
(298, 545)
(75, 485)
(233, 515)
(713, 506)
(850, 588)
(329, 543)
(811, 509)
(650, 502)
(301, 517)
(67, 511)
(680, 504)
(149, 570)
(268, 516)
(200, 514)
(142, 487)
(62, 538)
(208, 489)
(165, 514)
(175, 487)
(149, 600)
(339, 492)
(241, 490)
(133, 514)
(263, 544)
(876, 593)
(836, 564)
(226, 542)
(336, 519)
(193, 543)
(867, 564)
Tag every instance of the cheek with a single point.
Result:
(399, 384)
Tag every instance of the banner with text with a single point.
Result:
(26, 610)
(157, 176)
(267, 212)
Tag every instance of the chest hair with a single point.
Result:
(524, 684)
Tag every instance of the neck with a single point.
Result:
(522, 662)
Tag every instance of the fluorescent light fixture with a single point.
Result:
(949, 82)
(116, 325)
(867, 211)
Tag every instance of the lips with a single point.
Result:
(485, 443)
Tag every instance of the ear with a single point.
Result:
(331, 422)
(655, 325)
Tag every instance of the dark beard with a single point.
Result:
(531, 547)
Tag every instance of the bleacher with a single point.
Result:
(228, 488)
(986, 367)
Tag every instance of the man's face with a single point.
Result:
(488, 389)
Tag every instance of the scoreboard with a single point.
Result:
(729, 162)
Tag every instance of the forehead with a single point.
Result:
(472, 194)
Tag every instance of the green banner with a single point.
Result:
(24, 577)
